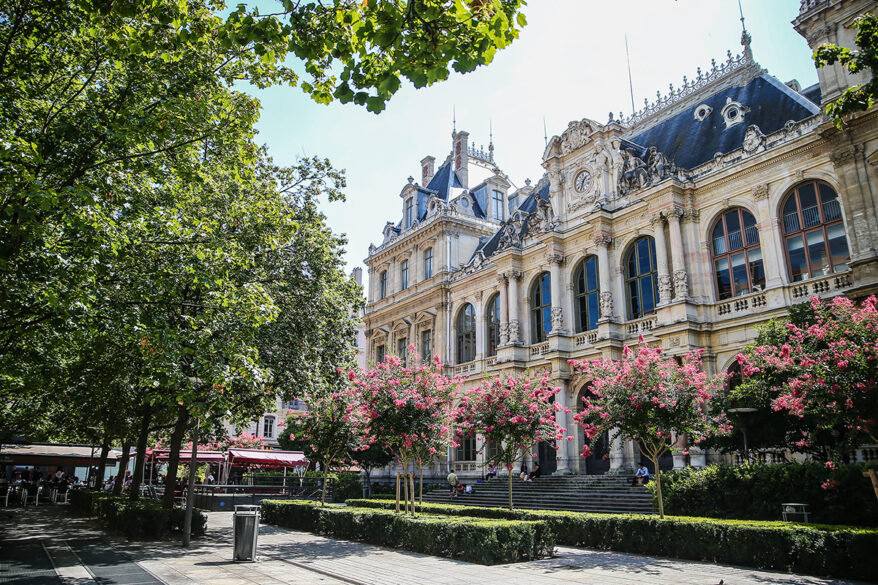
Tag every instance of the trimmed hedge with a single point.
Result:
(837, 551)
(486, 542)
(755, 492)
(139, 519)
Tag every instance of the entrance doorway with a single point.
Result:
(598, 462)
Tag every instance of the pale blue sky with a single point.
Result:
(568, 64)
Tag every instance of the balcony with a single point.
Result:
(467, 368)
(587, 338)
(641, 326)
(539, 349)
(741, 304)
(823, 286)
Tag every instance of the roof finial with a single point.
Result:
(453, 120)
(545, 133)
(491, 139)
(745, 36)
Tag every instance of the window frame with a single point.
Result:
(639, 277)
(427, 345)
(404, 275)
(382, 285)
(428, 263)
(497, 202)
(577, 293)
(268, 422)
(409, 211)
(380, 353)
(803, 231)
(729, 253)
(465, 337)
(539, 316)
(492, 325)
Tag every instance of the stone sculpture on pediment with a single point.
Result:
(436, 206)
(543, 218)
(633, 174)
(509, 235)
(576, 135)
(659, 165)
(754, 139)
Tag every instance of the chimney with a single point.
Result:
(428, 164)
(461, 157)
(357, 274)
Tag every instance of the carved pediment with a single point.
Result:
(577, 134)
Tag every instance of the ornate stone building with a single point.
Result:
(702, 215)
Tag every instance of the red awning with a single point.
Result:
(261, 458)
(161, 455)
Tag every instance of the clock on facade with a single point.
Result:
(582, 181)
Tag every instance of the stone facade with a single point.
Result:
(689, 223)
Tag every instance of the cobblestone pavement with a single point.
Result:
(288, 556)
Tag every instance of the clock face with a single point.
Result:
(582, 181)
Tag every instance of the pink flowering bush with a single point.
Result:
(329, 433)
(650, 399)
(244, 440)
(823, 369)
(512, 415)
(406, 409)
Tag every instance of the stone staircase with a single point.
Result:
(577, 493)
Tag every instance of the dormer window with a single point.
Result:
(733, 112)
(702, 112)
(409, 212)
(497, 205)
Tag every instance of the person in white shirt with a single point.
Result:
(641, 476)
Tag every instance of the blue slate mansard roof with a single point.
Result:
(690, 142)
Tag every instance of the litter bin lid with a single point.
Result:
(246, 509)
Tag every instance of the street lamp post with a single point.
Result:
(743, 410)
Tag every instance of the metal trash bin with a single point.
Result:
(246, 529)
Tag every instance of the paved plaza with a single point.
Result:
(52, 545)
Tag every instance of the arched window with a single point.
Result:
(492, 318)
(587, 289)
(541, 308)
(814, 236)
(466, 334)
(641, 284)
(737, 256)
(382, 285)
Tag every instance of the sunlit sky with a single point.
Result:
(568, 64)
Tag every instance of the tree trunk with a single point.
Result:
(142, 437)
(174, 457)
(405, 485)
(123, 465)
(102, 463)
(190, 493)
(509, 469)
(658, 486)
(325, 481)
(421, 487)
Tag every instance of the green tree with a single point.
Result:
(859, 97)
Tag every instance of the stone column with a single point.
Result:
(661, 259)
(603, 242)
(565, 421)
(480, 326)
(555, 260)
(439, 333)
(513, 276)
(770, 240)
(504, 309)
(678, 259)
(617, 455)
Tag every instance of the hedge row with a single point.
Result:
(486, 542)
(755, 492)
(138, 519)
(837, 551)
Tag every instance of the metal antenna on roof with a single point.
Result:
(745, 36)
(545, 132)
(490, 140)
(630, 83)
(453, 120)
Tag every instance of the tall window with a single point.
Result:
(428, 263)
(379, 354)
(404, 274)
(513, 203)
(409, 212)
(382, 285)
(493, 322)
(402, 349)
(466, 334)
(587, 293)
(814, 235)
(466, 451)
(268, 427)
(427, 345)
(737, 256)
(497, 205)
(541, 308)
(641, 283)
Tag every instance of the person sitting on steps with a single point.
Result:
(641, 476)
(535, 473)
(492, 471)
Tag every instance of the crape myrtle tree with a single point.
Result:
(858, 98)
(110, 108)
(406, 409)
(823, 371)
(329, 433)
(512, 415)
(650, 399)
